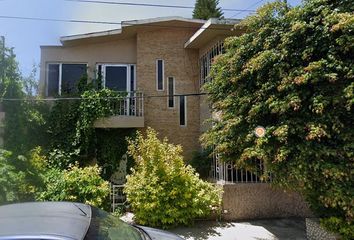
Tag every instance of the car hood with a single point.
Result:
(157, 234)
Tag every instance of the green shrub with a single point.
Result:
(162, 190)
(77, 185)
(338, 225)
(202, 162)
(34, 166)
(21, 176)
(10, 179)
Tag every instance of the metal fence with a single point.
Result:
(228, 172)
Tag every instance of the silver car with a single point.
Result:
(69, 221)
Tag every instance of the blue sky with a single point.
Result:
(26, 36)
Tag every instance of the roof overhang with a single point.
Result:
(212, 29)
(129, 28)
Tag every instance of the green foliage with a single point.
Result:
(34, 166)
(25, 125)
(293, 73)
(21, 177)
(202, 162)
(71, 132)
(77, 185)
(62, 127)
(338, 225)
(205, 9)
(94, 104)
(111, 145)
(25, 120)
(163, 191)
(10, 179)
(64, 130)
(9, 73)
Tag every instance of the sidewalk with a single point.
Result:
(292, 228)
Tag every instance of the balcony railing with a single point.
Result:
(131, 105)
(127, 112)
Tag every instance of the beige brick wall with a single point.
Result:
(261, 200)
(180, 63)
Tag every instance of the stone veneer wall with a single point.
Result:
(260, 200)
(180, 63)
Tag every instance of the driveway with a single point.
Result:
(292, 228)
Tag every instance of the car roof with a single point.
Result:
(45, 220)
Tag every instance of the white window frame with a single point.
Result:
(157, 75)
(60, 73)
(168, 92)
(128, 90)
(128, 66)
(185, 112)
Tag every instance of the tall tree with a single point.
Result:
(9, 74)
(205, 9)
(293, 73)
(23, 120)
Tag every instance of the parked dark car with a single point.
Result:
(69, 221)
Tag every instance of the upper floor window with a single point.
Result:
(206, 61)
(171, 92)
(159, 74)
(63, 78)
(183, 110)
(118, 77)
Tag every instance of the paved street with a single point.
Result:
(250, 230)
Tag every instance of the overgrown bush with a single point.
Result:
(162, 190)
(71, 133)
(202, 162)
(292, 72)
(338, 225)
(77, 185)
(21, 177)
(10, 179)
(111, 145)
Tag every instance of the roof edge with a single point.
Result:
(161, 19)
(90, 35)
(127, 24)
(208, 24)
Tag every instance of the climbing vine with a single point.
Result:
(74, 137)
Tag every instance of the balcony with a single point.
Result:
(127, 113)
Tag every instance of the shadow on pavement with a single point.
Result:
(290, 228)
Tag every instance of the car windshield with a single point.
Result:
(105, 226)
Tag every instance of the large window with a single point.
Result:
(171, 92)
(63, 78)
(183, 111)
(118, 77)
(159, 74)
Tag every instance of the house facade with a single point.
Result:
(161, 62)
